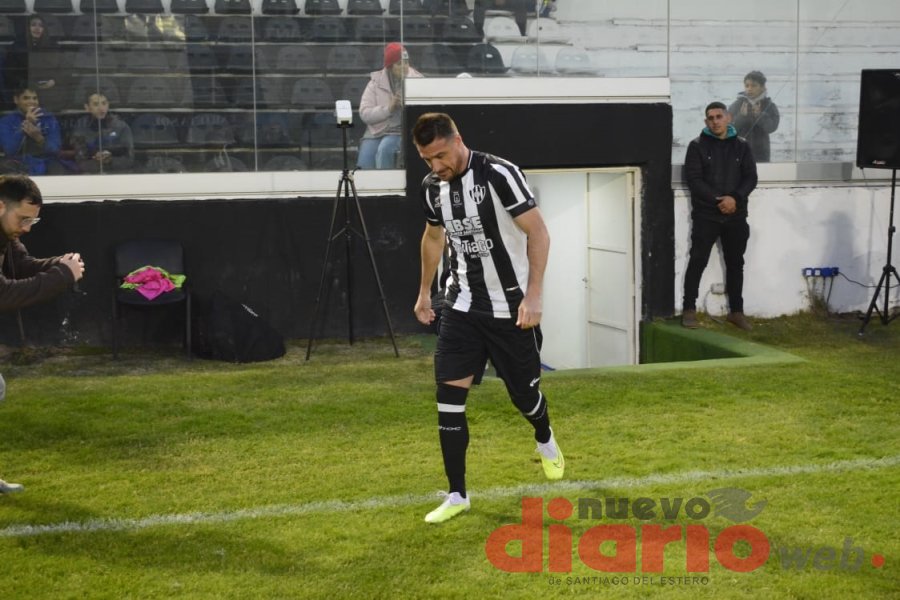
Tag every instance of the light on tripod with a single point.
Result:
(343, 113)
(347, 198)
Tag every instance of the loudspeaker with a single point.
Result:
(878, 144)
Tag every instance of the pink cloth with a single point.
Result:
(152, 283)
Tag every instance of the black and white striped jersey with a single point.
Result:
(488, 252)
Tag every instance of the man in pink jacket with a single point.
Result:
(380, 109)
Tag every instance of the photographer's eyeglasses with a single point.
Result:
(29, 221)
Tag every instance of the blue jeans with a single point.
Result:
(378, 153)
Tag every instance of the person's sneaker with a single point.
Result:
(452, 505)
(739, 320)
(689, 319)
(554, 465)
(10, 488)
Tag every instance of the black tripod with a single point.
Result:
(886, 273)
(349, 187)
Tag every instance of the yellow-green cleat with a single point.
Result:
(452, 505)
(555, 467)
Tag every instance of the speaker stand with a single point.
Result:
(887, 272)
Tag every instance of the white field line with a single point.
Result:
(341, 506)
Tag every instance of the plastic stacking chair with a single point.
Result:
(132, 255)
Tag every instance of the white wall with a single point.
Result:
(792, 227)
(812, 52)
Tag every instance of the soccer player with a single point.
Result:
(483, 207)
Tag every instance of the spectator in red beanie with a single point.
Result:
(380, 111)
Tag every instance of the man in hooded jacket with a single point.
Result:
(720, 172)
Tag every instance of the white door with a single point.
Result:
(592, 280)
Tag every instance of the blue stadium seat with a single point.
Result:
(153, 130)
(209, 129)
(7, 29)
(460, 30)
(364, 7)
(322, 7)
(235, 29)
(285, 162)
(53, 6)
(312, 92)
(243, 58)
(323, 141)
(138, 60)
(283, 30)
(233, 7)
(485, 59)
(346, 59)
(406, 7)
(439, 59)
(13, 7)
(200, 58)
(353, 89)
(152, 7)
(262, 92)
(194, 29)
(374, 29)
(164, 163)
(448, 8)
(206, 92)
(329, 29)
(152, 91)
(297, 59)
(224, 162)
(89, 59)
(99, 6)
(267, 130)
(189, 7)
(417, 28)
(104, 28)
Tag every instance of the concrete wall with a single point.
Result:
(792, 227)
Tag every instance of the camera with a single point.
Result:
(343, 113)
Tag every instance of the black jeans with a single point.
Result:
(734, 235)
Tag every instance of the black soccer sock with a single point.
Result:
(453, 430)
(534, 408)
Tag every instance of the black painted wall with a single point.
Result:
(578, 136)
(265, 253)
(269, 253)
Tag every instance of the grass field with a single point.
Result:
(153, 477)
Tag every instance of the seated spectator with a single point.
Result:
(35, 61)
(101, 141)
(755, 116)
(31, 138)
(380, 110)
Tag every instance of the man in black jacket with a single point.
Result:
(26, 280)
(721, 172)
